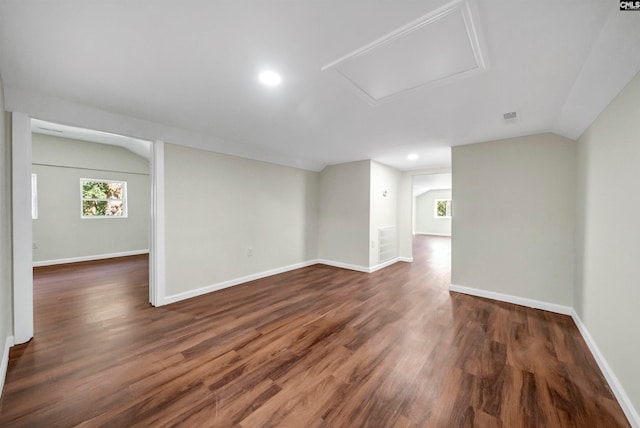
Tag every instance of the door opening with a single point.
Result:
(99, 196)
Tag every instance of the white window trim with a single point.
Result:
(103, 217)
(435, 209)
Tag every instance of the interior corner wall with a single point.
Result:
(59, 232)
(384, 187)
(228, 217)
(425, 219)
(6, 279)
(343, 232)
(513, 222)
(608, 273)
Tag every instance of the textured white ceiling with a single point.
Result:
(186, 72)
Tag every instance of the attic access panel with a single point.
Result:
(437, 47)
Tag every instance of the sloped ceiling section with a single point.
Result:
(428, 182)
(614, 54)
(141, 148)
(187, 73)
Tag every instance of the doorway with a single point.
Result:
(432, 204)
(91, 195)
(432, 218)
(23, 250)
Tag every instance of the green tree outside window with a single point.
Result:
(103, 198)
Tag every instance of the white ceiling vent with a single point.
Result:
(510, 117)
(437, 47)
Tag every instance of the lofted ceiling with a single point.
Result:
(139, 147)
(187, 72)
(427, 182)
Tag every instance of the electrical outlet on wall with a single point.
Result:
(250, 252)
(34, 245)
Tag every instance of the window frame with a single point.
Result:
(125, 204)
(435, 208)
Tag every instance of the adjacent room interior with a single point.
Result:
(432, 204)
(251, 214)
(111, 182)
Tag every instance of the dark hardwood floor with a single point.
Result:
(315, 347)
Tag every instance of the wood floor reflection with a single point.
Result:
(315, 347)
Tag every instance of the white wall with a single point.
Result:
(383, 209)
(425, 220)
(218, 206)
(59, 232)
(6, 303)
(343, 233)
(513, 222)
(607, 293)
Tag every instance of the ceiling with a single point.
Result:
(141, 148)
(427, 182)
(186, 72)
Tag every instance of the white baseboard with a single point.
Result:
(89, 258)
(612, 379)
(5, 361)
(389, 263)
(433, 234)
(226, 284)
(615, 385)
(341, 265)
(237, 281)
(364, 269)
(522, 301)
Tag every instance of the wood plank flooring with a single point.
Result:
(315, 347)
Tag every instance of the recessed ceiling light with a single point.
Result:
(270, 78)
(413, 156)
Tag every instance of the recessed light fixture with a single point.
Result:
(413, 156)
(270, 78)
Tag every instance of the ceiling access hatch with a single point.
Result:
(438, 47)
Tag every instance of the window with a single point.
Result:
(443, 208)
(103, 198)
(34, 197)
